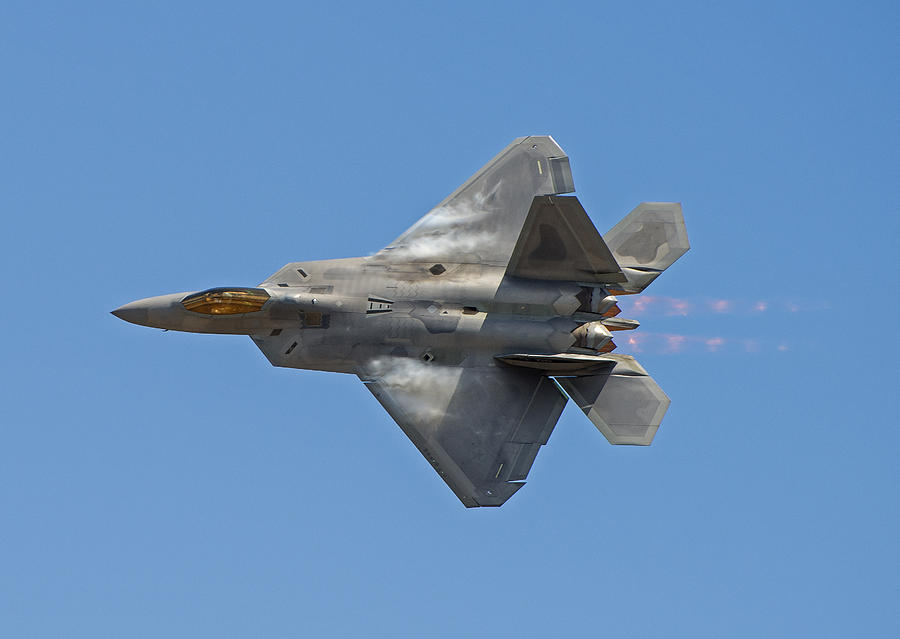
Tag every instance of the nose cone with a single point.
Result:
(134, 312)
(164, 311)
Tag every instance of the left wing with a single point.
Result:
(480, 427)
(481, 220)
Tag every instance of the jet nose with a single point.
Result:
(134, 312)
(162, 311)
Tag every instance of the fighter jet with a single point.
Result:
(475, 325)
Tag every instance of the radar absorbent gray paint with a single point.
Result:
(475, 326)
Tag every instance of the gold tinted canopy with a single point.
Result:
(226, 301)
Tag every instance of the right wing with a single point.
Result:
(481, 220)
(480, 427)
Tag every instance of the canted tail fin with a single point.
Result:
(558, 241)
(646, 242)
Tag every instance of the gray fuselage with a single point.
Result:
(331, 315)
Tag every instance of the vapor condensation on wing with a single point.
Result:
(452, 229)
(412, 384)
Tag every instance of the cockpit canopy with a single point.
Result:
(226, 301)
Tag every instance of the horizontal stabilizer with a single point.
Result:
(626, 404)
(646, 242)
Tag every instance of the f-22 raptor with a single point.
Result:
(475, 325)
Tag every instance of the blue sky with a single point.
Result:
(160, 484)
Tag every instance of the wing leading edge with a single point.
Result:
(479, 427)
